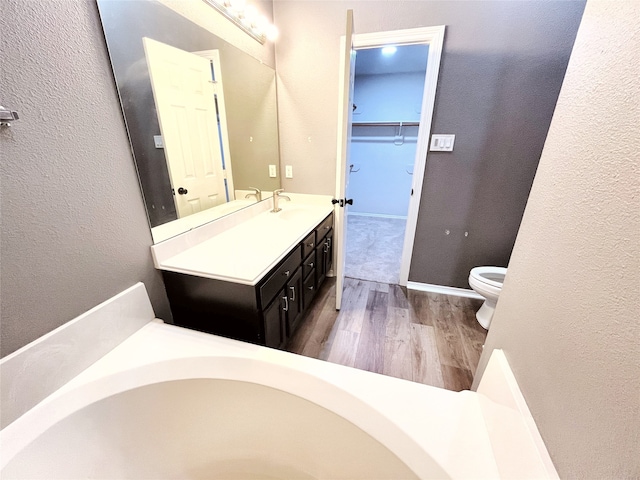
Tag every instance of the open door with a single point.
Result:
(185, 104)
(345, 106)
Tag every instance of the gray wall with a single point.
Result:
(567, 317)
(74, 229)
(502, 68)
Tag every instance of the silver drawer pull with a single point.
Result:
(285, 308)
(293, 293)
(286, 273)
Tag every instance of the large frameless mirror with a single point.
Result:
(201, 115)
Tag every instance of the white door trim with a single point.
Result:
(434, 37)
(218, 89)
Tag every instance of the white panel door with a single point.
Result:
(345, 105)
(185, 104)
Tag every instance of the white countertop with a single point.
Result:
(245, 252)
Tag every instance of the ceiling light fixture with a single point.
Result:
(388, 51)
(247, 18)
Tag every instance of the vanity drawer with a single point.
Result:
(308, 244)
(323, 228)
(308, 264)
(280, 275)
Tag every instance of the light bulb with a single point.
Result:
(251, 13)
(237, 7)
(262, 22)
(272, 33)
(388, 51)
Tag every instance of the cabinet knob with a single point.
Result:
(286, 273)
(310, 265)
(310, 245)
(311, 287)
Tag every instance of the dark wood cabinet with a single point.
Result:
(324, 256)
(267, 313)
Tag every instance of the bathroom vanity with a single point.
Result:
(254, 281)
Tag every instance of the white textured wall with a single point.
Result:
(74, 229)
(569, 314)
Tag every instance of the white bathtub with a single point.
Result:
(174, 403)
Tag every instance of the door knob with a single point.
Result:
(183, 191)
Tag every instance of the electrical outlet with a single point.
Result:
(157, 141)
(288, 171)
(272, 171)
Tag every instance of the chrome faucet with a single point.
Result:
(256, 193)
(278, 194)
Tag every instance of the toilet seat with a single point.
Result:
(487, 282)
(493, 276)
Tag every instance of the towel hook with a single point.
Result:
(7, 116)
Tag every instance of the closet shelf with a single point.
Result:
(385, 124)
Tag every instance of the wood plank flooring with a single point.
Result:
(423, 337)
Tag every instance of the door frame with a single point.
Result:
(218, 89)
(434, 37)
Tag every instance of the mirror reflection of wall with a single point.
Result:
(249, 94)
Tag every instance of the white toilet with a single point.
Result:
(487, 281)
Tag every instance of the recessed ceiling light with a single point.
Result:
(389, 51)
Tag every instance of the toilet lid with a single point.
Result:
(490, 275)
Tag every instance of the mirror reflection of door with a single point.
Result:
(185, 101)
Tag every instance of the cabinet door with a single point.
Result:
(274, 317)
(309, 289)
(320, 271)
(328, 252)
(294, 301)
(324, 257)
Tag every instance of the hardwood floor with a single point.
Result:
(424, 337)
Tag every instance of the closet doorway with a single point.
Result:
(394, 92)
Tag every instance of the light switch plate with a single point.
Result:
(272, 171)
(288, 171)
(442, 143)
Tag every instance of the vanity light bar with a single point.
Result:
(246, 17)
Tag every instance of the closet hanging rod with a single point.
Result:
(385, 124)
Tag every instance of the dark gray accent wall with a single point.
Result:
(502, 68)
(74, 230)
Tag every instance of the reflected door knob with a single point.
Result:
(183, 191)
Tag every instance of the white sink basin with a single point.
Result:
(292, 214)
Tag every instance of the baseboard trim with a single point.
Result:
(429, 287)
(379, 215)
